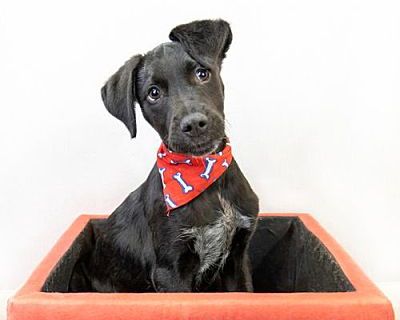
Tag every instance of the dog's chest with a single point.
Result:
(212, 242)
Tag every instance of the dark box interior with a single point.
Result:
(285, 256)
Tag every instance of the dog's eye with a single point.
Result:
(153, 94)
(202, 74)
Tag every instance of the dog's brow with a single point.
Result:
(190, 65)
(160, 82)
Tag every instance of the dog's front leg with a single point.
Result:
(236, 275)
(175, 272)
(167, 280)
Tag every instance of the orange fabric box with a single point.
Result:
(299, 272)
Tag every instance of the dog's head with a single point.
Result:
(178, 87)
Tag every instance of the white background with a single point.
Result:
(312, 101)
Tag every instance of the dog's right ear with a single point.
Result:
(118, 94)
(207, 41)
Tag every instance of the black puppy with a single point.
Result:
(201, 246)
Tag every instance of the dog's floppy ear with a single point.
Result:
(119, 94)
(206, 41)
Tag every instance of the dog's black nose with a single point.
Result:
(194, 124)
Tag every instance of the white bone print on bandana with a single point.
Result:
(209, 167)
(169, 201)
(161, 171)
(185, 187)
(187, 161)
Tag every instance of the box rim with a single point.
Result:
(364, 288)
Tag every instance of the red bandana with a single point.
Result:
(184, 177)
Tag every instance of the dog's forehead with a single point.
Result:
(166, 56)
(167, 49)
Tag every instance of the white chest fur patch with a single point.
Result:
(213, 242)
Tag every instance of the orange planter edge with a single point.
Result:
(366, 303)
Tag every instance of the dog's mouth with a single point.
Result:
(200, 142)
(198, 149)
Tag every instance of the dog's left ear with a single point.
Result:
(206, 41)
